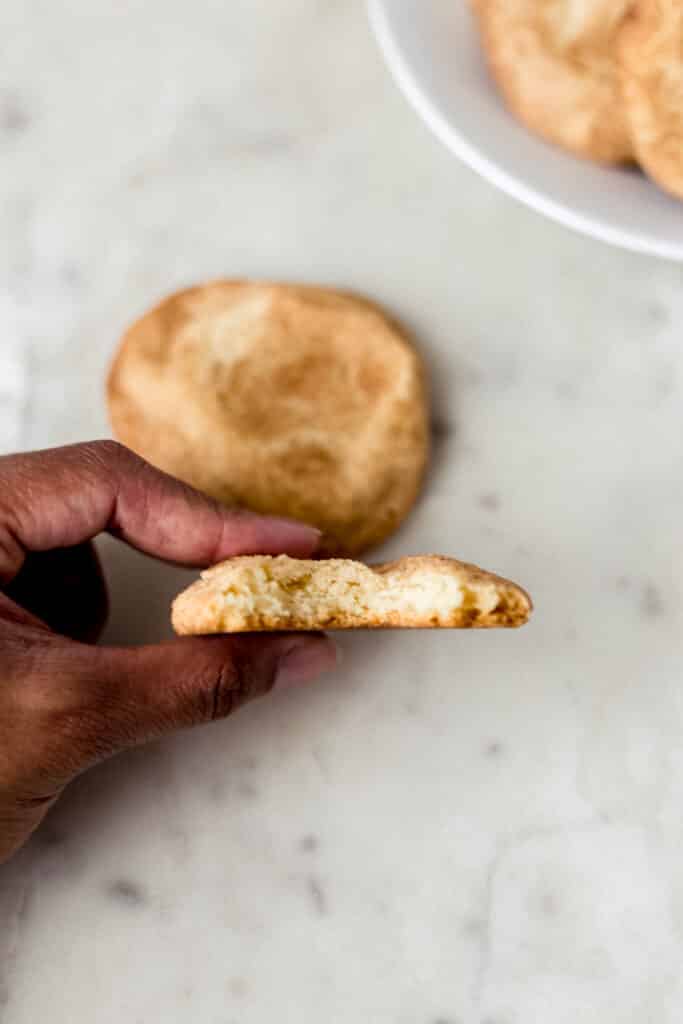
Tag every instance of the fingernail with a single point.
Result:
(308, 658)
(292, 537)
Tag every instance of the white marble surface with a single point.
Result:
(473, 829)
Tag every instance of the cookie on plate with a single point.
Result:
(556, 66)
(260, 592)
(289, 400)
(651, 69)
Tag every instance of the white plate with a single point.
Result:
(433, 50)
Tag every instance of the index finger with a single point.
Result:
(61, 497)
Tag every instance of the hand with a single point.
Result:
(65, 705)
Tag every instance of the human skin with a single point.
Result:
(66, 704)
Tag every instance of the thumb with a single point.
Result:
(140, 693)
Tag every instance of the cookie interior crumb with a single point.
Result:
(262, 592)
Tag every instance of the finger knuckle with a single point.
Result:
(108, 453)
(238, 681)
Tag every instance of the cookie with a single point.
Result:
(289, 400)
(556, 66)
(259, 592)
(651, 69)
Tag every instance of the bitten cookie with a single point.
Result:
(556, 66)
(259, 592)
(651, 69)
(289, 400)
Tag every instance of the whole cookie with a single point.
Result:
(556, 65)
(288, 400)
(651, 68)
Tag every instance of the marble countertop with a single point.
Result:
(454, 829)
